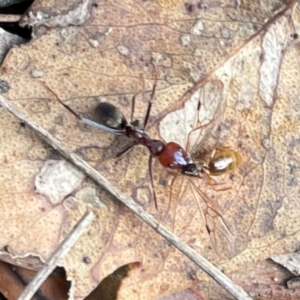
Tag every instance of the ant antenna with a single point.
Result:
(64, 105)
(152, 182)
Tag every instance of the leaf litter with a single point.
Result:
(103, 61)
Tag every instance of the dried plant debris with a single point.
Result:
(4, 86)
(7, 40)
(5, 3)
(239, 60)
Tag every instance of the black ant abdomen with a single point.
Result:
(110, 116)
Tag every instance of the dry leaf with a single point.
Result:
(240, 60)
(289, 261)
(14, 279)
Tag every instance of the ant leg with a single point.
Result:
(147, 114)
(223, 189)
(125, 150)
(187, 146)
(219, 225)
(133, 106)
(152, 182)
(196, 121)
(150, 102)
(210, 228)
(213, 153)
(212, 183)
(170, 196)
(213, 212)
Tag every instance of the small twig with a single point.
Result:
(61, 251)
(200, 261)
(10, 18)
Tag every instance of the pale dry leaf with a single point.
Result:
(264, 281)
(289, 260)
(224, 54)
(57, 180)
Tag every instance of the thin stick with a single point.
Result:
(10, 18)
(200, 261)
(51, 263)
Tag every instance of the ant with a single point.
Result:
(110, 119)
(170, 155)
(220, 161)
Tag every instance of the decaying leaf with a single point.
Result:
(289, 261)
(239, 60)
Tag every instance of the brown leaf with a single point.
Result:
(14, 279)
(228, 56)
